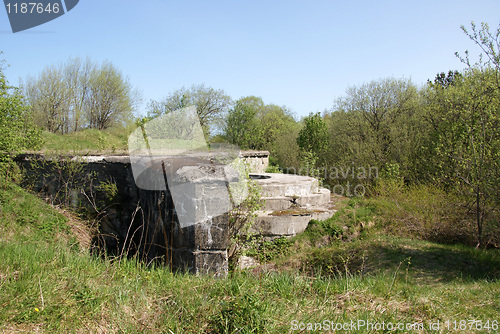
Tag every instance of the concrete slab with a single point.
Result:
(277, 203)
(285, 185)
(267, 224)
(284, 203)
(322, 197)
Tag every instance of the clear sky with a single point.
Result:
(302, 54)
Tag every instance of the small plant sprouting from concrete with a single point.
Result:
(109, 189)
(243, 216)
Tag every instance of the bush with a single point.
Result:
(16, 127)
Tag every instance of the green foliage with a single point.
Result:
(109, 189)
(390, 181)
(275, 123)
(242, 126)
(377, 123)
(328, 227)
(211, 105)
(445, 80)
(309, 166)
(80, 94)
(391, 172)
(16, 127)
(268, 250)
(251, 124)
(273, 169)
(111, 101)
(313, 137)
(466, 139)
(242, 217)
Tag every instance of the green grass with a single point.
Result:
(49, 285)
(109, 141)
(26, 218)
(113, 140)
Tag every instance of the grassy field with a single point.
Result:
(109, 141)
(90, 141)
(347, 271)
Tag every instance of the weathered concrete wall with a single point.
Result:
(131, 220)
(257, 160)
(142, 222)
(188, 222)
(103, 190)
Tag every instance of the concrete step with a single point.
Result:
(267, 225)
(288, 223)
(291, 202)
(322, 197)
(284, 185)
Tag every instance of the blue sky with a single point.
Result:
(302, 54)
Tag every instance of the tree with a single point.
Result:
(48, 96)
(110, 100)
(276, 122)
(251, 124)
(466, 141)
(446, 80)
(211, 105)
(80, 94)
(466, 121)
(313, 137)
(242, 128)
(16, 127)
(77, 73)
(376, 124)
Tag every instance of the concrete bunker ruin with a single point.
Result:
(147, 222)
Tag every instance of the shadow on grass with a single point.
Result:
(447, 263)
(426, 262)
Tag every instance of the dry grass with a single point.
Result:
(80, 229)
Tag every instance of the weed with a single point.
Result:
(240, 314)
(274, 169)
(268, 250)
(109, 189)
(242, 217)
